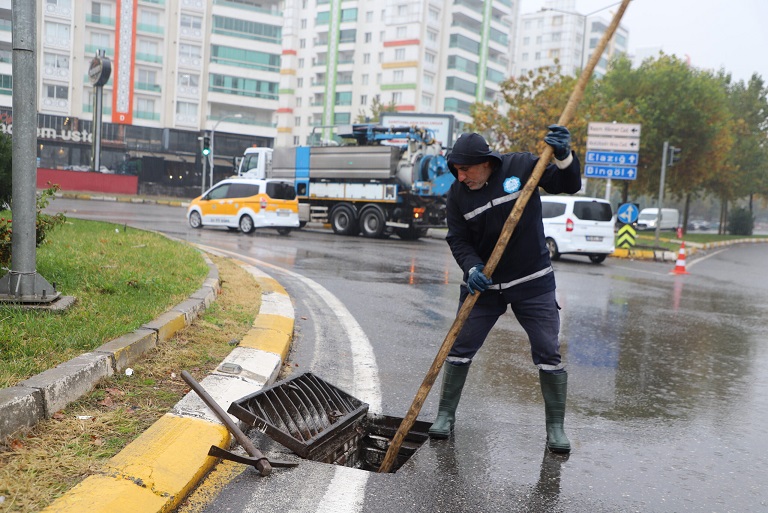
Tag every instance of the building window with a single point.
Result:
(296, 140)
(366, 58)
(397, 97)
(364, 79)
(402, 32)
(56, 62)
(298, 101)
(297, 121)
(304, 23)
(368, 37)
(189, 80)
(299, 82)
(429, 58)
(434, 14)
(554, 53)
(302, 43)
(189, 51)
(402, 9)
(56, 92)
(101, 40)
(429, 79)
(525, 56)
(526, 41)
(364, 99)
(186, 109)
(400, 54)
(191, 22)
(556, 36)
(369, 17)
(398, 75)
(432, 36)
(381, 56)
(301, 63)
(426, 100)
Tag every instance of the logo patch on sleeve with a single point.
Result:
(512, 184)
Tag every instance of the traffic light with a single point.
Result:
(674, 155)
(206, 146)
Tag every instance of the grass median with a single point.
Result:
(41, 464)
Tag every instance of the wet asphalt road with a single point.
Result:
(668, 399)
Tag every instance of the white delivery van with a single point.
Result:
(578, 225)
(649, 217)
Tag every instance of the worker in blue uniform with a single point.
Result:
(486, 189)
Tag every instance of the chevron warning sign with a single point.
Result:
(627, 236)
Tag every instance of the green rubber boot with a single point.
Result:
(554, 388)
(454, 377)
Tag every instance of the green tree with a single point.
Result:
(6, 171)
(377, 108)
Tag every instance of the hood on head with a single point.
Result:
(470, 149)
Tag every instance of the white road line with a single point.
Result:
(705, 257)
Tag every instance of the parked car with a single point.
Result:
(578, 225)
(649, 218)
(247, 204)
(698, 224)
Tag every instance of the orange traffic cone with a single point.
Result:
(680, 264)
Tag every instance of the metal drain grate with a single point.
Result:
(305, 414)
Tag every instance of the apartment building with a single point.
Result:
(557, 33)
(246, 72)
(427, 56)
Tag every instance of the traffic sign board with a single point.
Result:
(617, 172)
(627, 213)
(613, 143)
(612, 157)
(614, 129)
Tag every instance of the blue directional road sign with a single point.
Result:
(615, 172)
(622, 158)
(627, 213)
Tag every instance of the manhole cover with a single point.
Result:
(320, 422)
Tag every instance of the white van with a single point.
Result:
(578, 225)
(649, 217)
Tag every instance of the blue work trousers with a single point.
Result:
(540, 318)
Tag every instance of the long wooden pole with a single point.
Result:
(498, 250)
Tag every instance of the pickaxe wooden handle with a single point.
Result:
(498, 250)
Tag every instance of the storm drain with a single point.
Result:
(320, 422)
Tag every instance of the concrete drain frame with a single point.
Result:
(321, 422)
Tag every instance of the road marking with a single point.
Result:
(346, 491)
(705, 257)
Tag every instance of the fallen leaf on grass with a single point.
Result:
(16, 444)
(114, 392)
(97, 440)
(107, 401)
(58, 416)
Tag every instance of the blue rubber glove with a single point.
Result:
(560, 139)
(477, 281)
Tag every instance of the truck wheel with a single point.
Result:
(372, 222)
(554, 253)
(410, 233)
(195, 221)
(246, 224)
(344, 220)
(284, 231)
(597, 259)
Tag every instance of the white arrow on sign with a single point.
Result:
(614, 129)
(613, 143)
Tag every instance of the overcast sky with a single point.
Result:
(714, 34)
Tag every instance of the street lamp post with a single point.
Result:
(213, 140)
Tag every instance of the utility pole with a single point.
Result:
(22, 284)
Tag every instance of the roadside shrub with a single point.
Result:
(741, 222)
(6, 167)
(43, 225)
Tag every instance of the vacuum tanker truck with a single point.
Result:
(378, 181)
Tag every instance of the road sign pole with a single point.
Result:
(661, 191)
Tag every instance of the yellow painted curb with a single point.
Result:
(153, 473)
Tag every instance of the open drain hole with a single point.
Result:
(320, 422)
